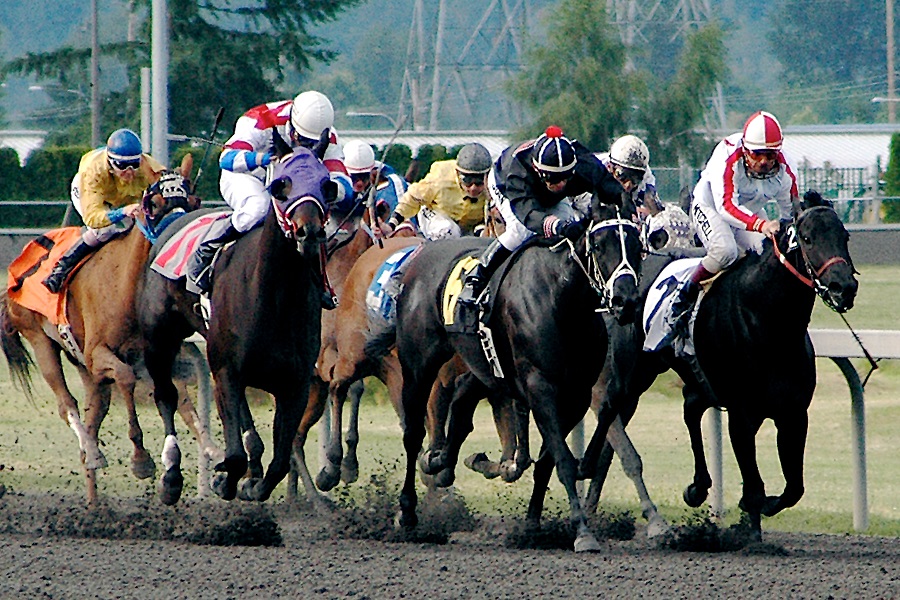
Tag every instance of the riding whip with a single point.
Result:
(370, 204)
(209, 145)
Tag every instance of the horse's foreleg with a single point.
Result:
(791, 442)
(159, 364)
(105, 365)
(414, 401)
(315, 408)
(350, 463)
(743, 442)
(96, 407)
(289, 410)
(467, 393)
(198, 429)
(543, 469)
(595, 489)
(229, 394)
(330, 473)
(694, 407)
(634, 469)
(253, 444)
(544, 398)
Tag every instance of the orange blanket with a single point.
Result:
(31, 268)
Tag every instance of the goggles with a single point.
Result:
(768, 154)
(625, 174)
(124, 165)
(552, 177)
(471, 179)
(364, 176)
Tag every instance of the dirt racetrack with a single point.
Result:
(51, 547)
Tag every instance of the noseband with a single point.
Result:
(813, 276)
(603, 286)
(288, 227)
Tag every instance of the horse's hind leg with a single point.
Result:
(96, 406)
(350, 463)
(253, 444)
(106, 365)
(299, 471)
(634, 469)
(468, 392)
(743, 441)
(159, 357)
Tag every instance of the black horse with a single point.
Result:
(549, 339)
(264, 328)
(756, 358)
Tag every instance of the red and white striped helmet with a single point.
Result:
(762, 131)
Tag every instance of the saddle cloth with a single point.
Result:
(33, 265)
(172, 259)
(381, 300)
(658, 307)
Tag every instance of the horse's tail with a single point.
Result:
(17, 356)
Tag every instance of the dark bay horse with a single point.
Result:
(100, 308)
(264, 327)
(550, 341)
(752, 344)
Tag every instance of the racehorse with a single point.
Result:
(264, 327)
(543, 310)
(100, 308)
(758, 310)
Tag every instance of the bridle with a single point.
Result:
(813, 276)
(603, 286)
(287, 226)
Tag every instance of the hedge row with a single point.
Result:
(49, 171)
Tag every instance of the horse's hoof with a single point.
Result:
(480, 463)
(95, 462)
(143, 468)
(510, 473)
(695, 496)
(445, 478)
(656, 527)
(431, 463)
(407, 520)
(170, 486)
(222, 487)
(586, 542)
(328, 478)
(249, 490)
(772, 506)
(349, 470)
(214, 454)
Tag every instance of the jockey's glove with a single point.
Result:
(570, 228)
(395, 220)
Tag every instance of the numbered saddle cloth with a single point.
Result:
(658, 307)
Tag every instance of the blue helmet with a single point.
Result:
(124, 148)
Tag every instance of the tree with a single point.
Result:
(891, 208)
(578, 80)
(222, 54)
(675, 109)
(822, 80)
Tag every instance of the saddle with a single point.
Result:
(172, 259)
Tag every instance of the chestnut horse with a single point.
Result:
(101, 312)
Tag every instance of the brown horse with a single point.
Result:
(106, 335)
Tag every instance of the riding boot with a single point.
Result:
(199, 268)
(67, 262)
(680, 315)
(493, 256)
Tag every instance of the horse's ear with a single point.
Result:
(322, 145)
(813, 198)
(280, 148)
(187, 165)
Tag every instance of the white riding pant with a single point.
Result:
(248, 197)
(724, 243)
(516, 233)
(96, 237)
(436, 225)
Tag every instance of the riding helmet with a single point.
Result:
(473, 159)
(762, 131)
(124, 146)
(311, 114)
(553, 152)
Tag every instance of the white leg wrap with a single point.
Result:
(171, 454)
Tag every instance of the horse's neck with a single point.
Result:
(772, 287)
(557, 273)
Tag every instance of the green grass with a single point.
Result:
(39, 453)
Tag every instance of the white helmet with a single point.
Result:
(311, 113)
(358, 157)
(762, 131)
(631, 152)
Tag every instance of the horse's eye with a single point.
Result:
(807, 239)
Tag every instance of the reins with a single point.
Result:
(601, 285)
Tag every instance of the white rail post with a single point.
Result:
(204, 400)
(712, 425)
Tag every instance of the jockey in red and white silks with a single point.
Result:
(248, 152)
(728, 208)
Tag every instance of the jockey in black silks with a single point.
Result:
(534, 185)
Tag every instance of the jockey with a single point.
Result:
(110, 182)
(534, 185)
(628, 160)
(359, 159)
(449, 201)
(745, 171)
(301, 122)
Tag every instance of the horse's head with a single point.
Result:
(822, 241)
(614, 252)
(301, 189)
(167, 199)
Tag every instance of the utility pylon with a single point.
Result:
(455, 65)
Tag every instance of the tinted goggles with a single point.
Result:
(365, 176)
(472, 179)
(767, 154)
(124, 165)
(625, 174)
(552, 177)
